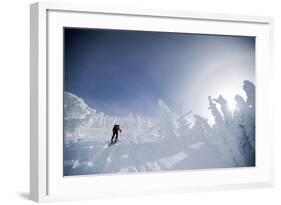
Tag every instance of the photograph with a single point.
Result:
(138, 101)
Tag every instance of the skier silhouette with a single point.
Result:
(115, 130)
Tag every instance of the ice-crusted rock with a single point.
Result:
(75, 107)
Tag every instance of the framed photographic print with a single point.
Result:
(127, 102)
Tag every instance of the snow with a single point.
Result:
(196, 146)
(124, 156)
(169, 162)
(173, 142)
(75, 164)
(153, 166)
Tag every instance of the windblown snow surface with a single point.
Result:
(174, 142)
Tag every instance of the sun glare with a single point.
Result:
(230, 98)
(231, 104)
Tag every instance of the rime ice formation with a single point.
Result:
(174, 142)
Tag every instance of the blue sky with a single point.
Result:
(122, 72)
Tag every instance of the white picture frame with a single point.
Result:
(46, 179)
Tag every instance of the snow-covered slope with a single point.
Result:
(96, 158)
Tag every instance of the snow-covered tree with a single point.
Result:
(168, 125)
(233, 133)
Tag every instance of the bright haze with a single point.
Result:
(122, 72)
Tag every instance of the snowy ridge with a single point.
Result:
(174, 142)
(83, 122)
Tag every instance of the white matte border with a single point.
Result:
(59, 187)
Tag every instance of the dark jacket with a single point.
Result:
(116, 128)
